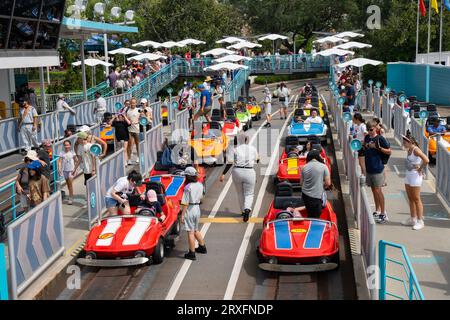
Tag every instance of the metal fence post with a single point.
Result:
(3, 274)
(382, 267)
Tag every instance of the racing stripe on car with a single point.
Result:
(112, 225)
(282, 233)
(137, 231)
(155, 179)
(314, 236)
(175, 186)
(292, 167)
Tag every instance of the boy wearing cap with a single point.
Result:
(190, 214)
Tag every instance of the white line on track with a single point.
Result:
(396, 170)
(187, 263)
(248, 232)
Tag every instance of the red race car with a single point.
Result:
(136, 239)
(291, 163)
(294, 243)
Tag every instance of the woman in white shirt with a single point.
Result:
(66, 166)
(359, 132)
(125, 185)
(284, 99)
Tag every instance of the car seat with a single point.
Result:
(216, 115)
(284, 197)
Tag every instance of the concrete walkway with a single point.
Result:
(429, 248)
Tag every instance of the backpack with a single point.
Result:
(384, 157)
(166, 158)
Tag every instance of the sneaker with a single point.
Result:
(375, 215)
(419, 225)
(246, 214)
(70, 202)
(410, 222)
(130, 162)
(190, 255)
(201, 249)
(381, 218)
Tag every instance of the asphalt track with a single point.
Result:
(230, 269)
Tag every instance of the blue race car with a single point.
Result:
(303, 126)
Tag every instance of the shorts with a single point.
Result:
(361, 153)
(87, 176)
(205, 112)
(134, 135)
(413, 179)
(111, 203)
(24, 201)
(375, 180)
(67, 175)
(268, 109)
(313, 206)
(192, 220)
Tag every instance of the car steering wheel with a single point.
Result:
(147, 213)
(284, 215)
(178, 172)
(292, 155)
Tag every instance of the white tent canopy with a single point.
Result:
(217, 52)
(188, 42)
(360, 62)
(92, 63)
(148, 56)
(331, 39)
(349, 34)
(230, 40)
(232, 58)
(246, 45)
(147, 43)
(171, 44)
(335, 52)
(273, 37)
(125, 51)
(225, 66)
(353, 44)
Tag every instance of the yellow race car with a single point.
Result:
(209, 144)
(252, 106)
(314, 102)
(437, 127)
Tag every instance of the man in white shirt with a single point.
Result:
(62, 105)
(314, 118)
(268, 106)
(100, 107)
(27, 125)
(207, 83)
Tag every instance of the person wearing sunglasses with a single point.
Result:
(376, 149)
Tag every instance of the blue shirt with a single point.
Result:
(439, 129)
(207, 94)
(373, 156)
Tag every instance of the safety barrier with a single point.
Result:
(4, 295)
(9, 137)
(386, 112)
(377, 102)
(442, 171)
(369, 95)
(35, 241)
(148, 149)
(93, 200)
(157, 116)
(418, 132)
(180, 127)
(410, 285)
(400, 123)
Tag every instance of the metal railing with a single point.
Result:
(442, 170)
(400, 122)
(408, 280)
(418, 132)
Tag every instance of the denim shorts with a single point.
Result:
(110, 202)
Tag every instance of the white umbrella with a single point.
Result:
(232, 58)
(230, 40)
(273, 37)
(242, 45)
(93, 63)
(334, 51)
(188, 42)
(217, 52)
(353, 44)
(148, 56)
(359, 62)
(225, 66)
(147, 43)
(124, 51)
(171, 44)
(331, 39)
(349, 34)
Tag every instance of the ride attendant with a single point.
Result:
(62, 105)
(123, 186)
(205, 104)
(359, 132)
(284, 99)
(268, 106)
(100, 107)
(66, 166)
(376, 146)
(133, 115)
(27, 125)
(416, 162)
(244, 175)
(190, 213)
(38, 184)
(315, 180)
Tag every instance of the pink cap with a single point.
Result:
(151, 196)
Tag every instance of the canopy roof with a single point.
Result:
(225, 66)
(360, 62)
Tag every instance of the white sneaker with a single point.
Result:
(137, 161)
(410, 222)
(419, 225)
(130, 162)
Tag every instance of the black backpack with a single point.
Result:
(384, 157)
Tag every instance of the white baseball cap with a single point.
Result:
(190, 171)
(143, 100)
(84, 129)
